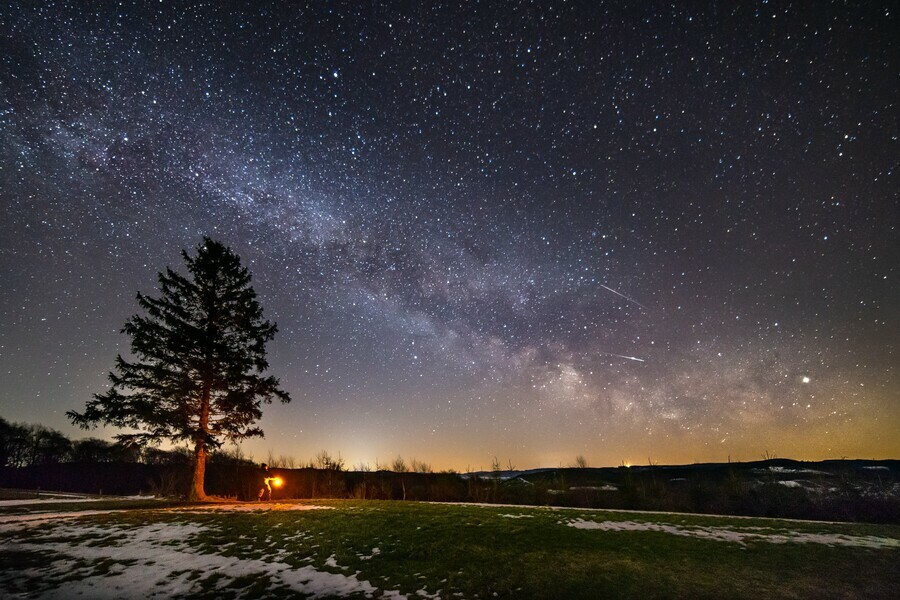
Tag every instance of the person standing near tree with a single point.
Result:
(266, 489)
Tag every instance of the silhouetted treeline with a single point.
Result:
(36, 457)
(851, 491)
(27, 445)
(228, 477)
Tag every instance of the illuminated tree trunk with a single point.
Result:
(198, 493)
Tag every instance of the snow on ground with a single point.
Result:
(375, 552)
(41, 498)
(728, 535)
(44, 517)
(517, 516)
(158, 561)
(626, 511)
(791, 484)
(167, 566)
(42, 501)
(787, 470)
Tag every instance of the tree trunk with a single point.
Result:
(197, 493)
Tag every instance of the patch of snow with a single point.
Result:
(790, 484)
(517, 516)
(43, 517)
(375, 552)
(520, 481)
(331, 561)
(165, 566)
(43, 501)
(65, 497)
(786, 470)
(599, 488)
(39, 518)
(626, 511)
(727, 535)
(877, 468)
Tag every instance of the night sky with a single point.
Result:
(529, 232)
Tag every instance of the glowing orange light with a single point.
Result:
(277, 481)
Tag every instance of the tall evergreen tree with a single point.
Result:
(199, 355)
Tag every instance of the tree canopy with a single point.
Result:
(199, 354)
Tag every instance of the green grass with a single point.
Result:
(461, 551)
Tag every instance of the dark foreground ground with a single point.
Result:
(141, 548)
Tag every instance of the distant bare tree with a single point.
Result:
(419, 466)
(362, 467)
(325, 461)
(399, 465)
(581, 462)
(236, 453)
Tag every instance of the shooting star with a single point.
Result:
(632, 300)
(634, 358)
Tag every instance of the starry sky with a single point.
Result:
(523, 230)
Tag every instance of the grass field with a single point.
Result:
(67, 548)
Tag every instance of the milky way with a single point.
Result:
(527, 232)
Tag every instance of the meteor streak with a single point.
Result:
(632, 300)
(634, 358)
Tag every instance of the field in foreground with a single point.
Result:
(66, 547)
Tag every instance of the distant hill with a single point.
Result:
(781, 467)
